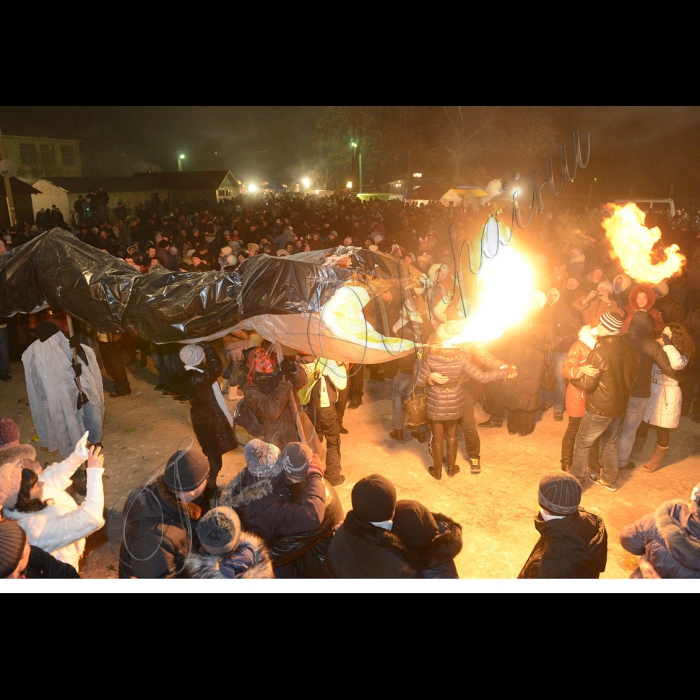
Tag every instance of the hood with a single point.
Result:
(641, 324)
(624, 280)
(585, 336)
(10, 453)
(651, 297)
(680, 532)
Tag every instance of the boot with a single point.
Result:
(436, 451)
(566, 461)
(655, 460)
(452, 468)
(639, 444)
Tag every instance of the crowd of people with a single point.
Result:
(623, 352)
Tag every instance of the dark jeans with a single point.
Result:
(472, 443)
(593, 427)
(567, 442)
(325, 421)
(356, 382)
(114, 365)
(340, 403)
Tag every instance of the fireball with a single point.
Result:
(633, 245)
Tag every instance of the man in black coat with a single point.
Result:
(607, 397)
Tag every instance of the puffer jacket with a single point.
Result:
(575, 396)
(446, 401)
(436, 560)
(362, 550)
(668, 540)
(650, 353)
(250, 559)
(608, 393)
(575, 546)
(210, 424)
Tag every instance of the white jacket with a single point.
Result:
(664, 406)
(61, 528)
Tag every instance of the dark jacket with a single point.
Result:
(668, 539)
(608, 393)
(250, 559)
(266, 508)
(156, 542)
(210, 424)
(437, 559)
(671, 310)
(525, 349)
(567, 322)
(44, 565)
(272, 401)
(362, 550)
(575, 546)
(650, 352)
(446, 401)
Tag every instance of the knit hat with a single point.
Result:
(559, 493)
(12, 541)
(604, 284)
(612, 321)
(373, 498)
(661, 288)
(295, 458)
(45, 330)
(10, 482)
(9, 431)
(226, 250)
(186, 470)
(192, 355)
(414, 523)
(219, 530)
(262, 458)
(695, 501)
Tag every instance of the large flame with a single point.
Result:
(504, 296)
(633, 245)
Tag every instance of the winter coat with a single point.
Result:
(436, 560)
(266, 508)
(44, 565)
(250, 559)
(668, 540)
(61, 528)
(650, 354)
(575, 396)
(608, 392)
(671, 310)
(446, 401)
(362, 550)
(273, 402)
(567, 321)
(664, 406)
(209, 422)
(596, 308)
(525, 350)
(632, 306)
(157, 527)
(575, 546)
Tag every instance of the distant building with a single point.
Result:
(37, 157)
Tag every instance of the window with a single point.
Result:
(68, 156)
(27, 153)
(48, 156)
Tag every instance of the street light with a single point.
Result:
(356, 145)
(180, 158)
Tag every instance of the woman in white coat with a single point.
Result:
(664, 408)
(50, 516)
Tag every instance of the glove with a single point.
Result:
(81, 448)
(77, 368)
(315, 466)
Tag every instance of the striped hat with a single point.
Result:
(612, 321)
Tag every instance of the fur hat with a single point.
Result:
(9, 431)
(12, 542)
(373, 498)
(226, 250)
(262, 458)
(414, 523)
(612, 321)
(219, 530)
(694, 504)
(10, 482)
(559, 493)
(45, 330)
(186, 470)
(604, 284)
(661, 289)
(295, 459)
(192, 355)
(253, 247)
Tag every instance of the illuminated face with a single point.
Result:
(617, 285)
(37, 491)
(571, 283)
(597, 275)
(642, 300)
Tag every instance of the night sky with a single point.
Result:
(642, 151)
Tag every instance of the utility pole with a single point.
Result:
(8, 188)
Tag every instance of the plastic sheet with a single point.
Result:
(286, 299)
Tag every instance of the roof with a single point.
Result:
(430, 192)
(110, 184)
(18, 187)
(197, 180)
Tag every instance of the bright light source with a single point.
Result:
(252, 188)
(306, 182)
(417, 174)
(353, 144)
(182, 156)
(349, 184)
